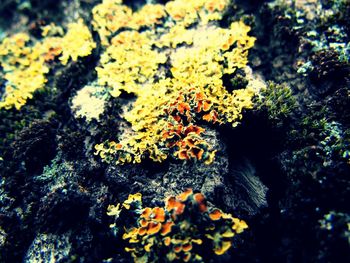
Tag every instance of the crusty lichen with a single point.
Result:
(89, 102)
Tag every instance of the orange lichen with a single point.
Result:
(178, 237)
(167, 241)
(200, 199)
(166, 228)
(153, 228)
(173, 205)
(183, 196)
(158, 214)
(146, 213)
(215, 215)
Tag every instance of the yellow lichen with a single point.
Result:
(172, 57)
(24, 67)
(153, 66)
(129, 63)
(77, 42)
(149, 15)
(109, 17)
(26, 61)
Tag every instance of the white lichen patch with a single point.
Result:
(256, 81)
(89, 102)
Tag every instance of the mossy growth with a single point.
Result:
(277, 101)
(12, 124)
(319, 144)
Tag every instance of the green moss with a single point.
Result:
(277, 101)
